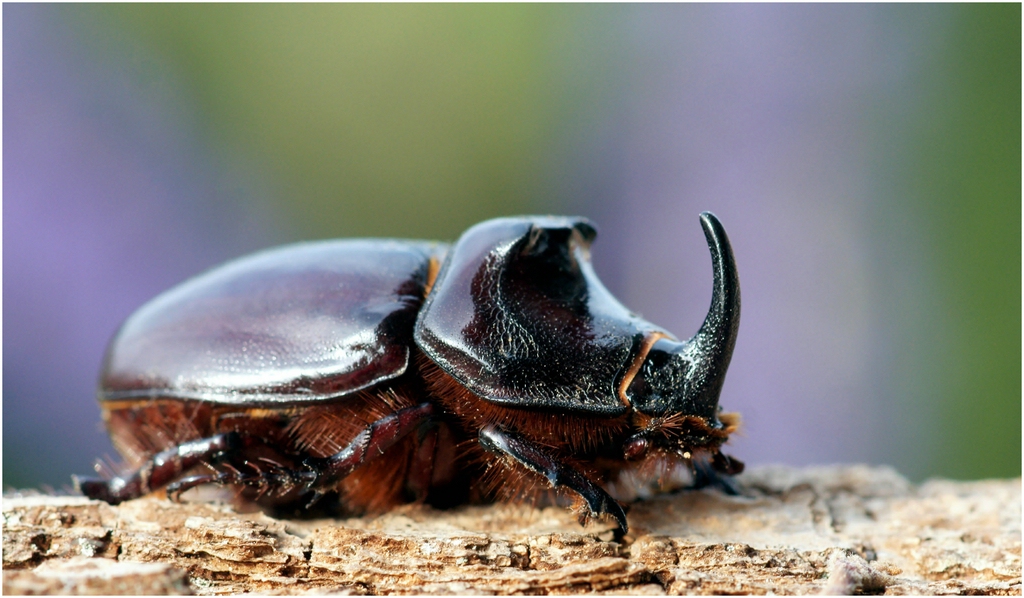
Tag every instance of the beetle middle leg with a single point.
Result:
(368, 444)
(538, 460)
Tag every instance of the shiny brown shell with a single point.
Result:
(302, 323)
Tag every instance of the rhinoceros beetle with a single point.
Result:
(384, 371)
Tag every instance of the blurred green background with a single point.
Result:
(354, 108)
(865, 159)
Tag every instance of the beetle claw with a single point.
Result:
(317, 495)
(601, 504)
(615, 510)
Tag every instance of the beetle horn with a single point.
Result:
(711, 348)
(686, 378)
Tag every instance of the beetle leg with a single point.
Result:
(158, 470)
(277, 480)
(421, 473)
(716, 472)
(175, 489)
(368, 444)
(557, 473)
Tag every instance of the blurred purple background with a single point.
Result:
(144, 144)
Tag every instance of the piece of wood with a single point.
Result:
(841, 529)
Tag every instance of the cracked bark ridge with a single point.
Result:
(842, 529)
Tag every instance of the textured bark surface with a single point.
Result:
(844, 529)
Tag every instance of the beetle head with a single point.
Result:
(679, 383)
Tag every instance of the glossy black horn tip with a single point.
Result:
(715, 232)
(708, 219)
(726, 291)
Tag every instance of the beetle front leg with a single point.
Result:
(716, 471)
(557, 473)
(159, 470)
(368, 444)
